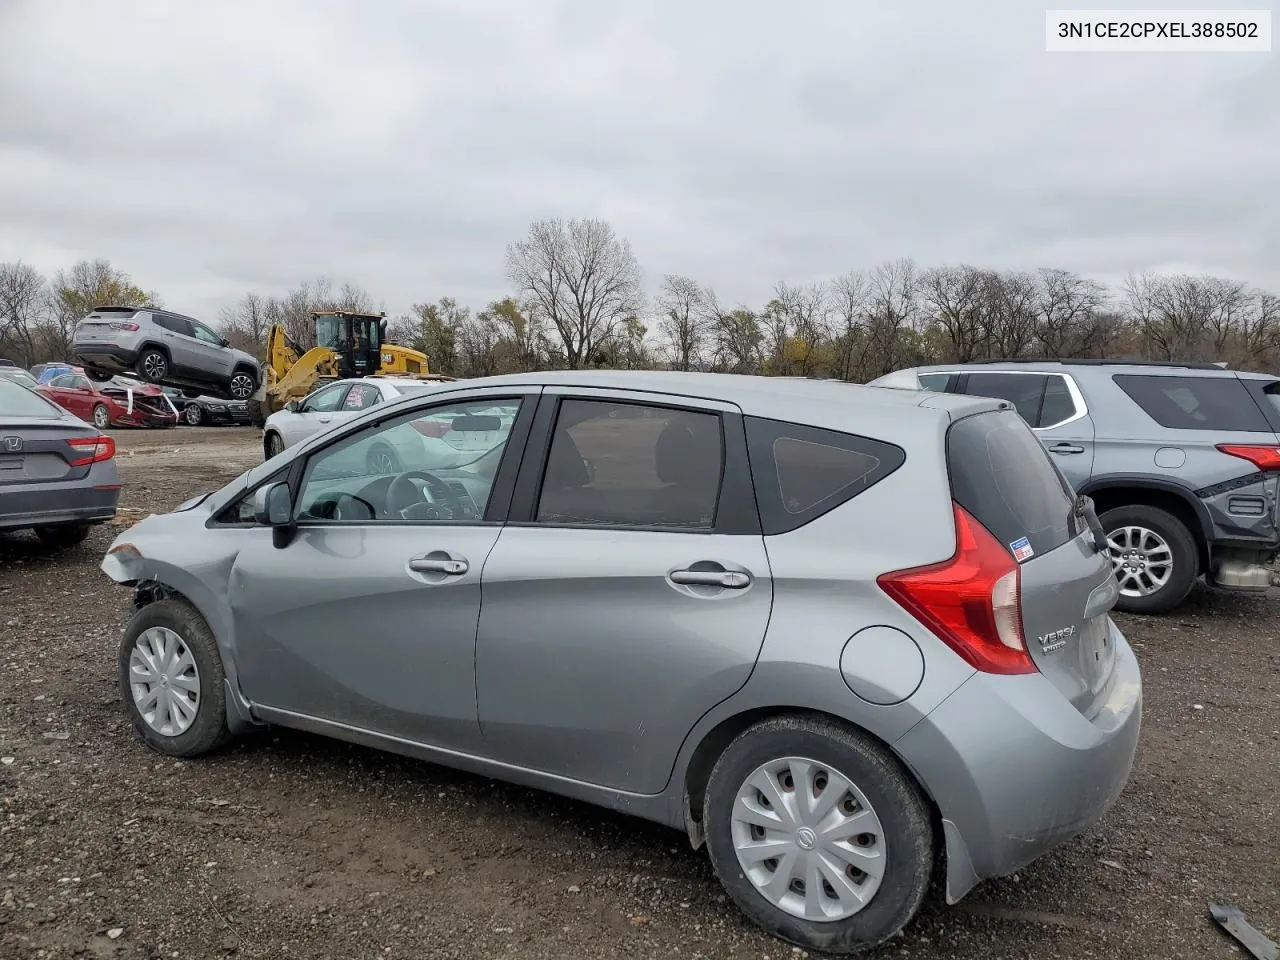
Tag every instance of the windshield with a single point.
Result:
(18, 401)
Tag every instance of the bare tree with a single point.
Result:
(850, 295)
(1067, 309)
(1010, 300)
(954, 299)
(582, 278)
(797, 321)
(893, 312)
(246, 323)
(683, 320)
(24, 306)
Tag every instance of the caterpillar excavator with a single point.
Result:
(347, 345)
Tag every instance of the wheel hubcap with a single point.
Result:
(241, 387)
(154, 365)
(100, 417)
(164, 681)
(382, 463)
(193, 414)
(1141, 559)
(808, 839)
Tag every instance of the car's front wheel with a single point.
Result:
(272, 446)
(101, 416)
(242, 385)
(818, 834)
(171, 680)
(1153, 555)
(193, 414)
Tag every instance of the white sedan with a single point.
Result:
(331, 405)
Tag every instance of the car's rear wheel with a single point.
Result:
(63, 536)
(818, 834)
(193, 414)
(171, 680)
(381, 460)
(1153, 556)
(272, 445)
(243, 385)
(153, 365)
(101, 416)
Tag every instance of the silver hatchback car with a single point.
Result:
(836, 634)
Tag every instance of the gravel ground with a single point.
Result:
(288, 845)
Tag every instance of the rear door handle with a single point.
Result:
(454, 568)
(1066, 448)
(730, 579)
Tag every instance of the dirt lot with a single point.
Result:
(288, 845)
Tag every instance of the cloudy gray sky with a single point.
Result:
(213, 148)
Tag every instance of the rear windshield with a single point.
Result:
(1195, 403)
(1002, 476)
(17, 401)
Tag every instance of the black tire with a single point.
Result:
(101, 416)
(193, 414)
(272, 445)
(153, 365)
(98, 376)
(63, 536)
(1182, 546)
(257, 413)
(208, 730)
(903, 813)
(243, 384)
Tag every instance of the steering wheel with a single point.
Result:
(403, 495)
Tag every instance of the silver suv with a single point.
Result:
(830, 632)
(1182, 461)
(164, 348)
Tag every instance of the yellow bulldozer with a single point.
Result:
(347, 345)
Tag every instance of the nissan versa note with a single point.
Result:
(837, 634)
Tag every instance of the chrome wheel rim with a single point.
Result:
(154, 366)
(808, 839)
(381, 461)
(242, 386)
(193, 415)
(101, 418)
(164, 681)
(1141, 559)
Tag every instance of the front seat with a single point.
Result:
(563, 482)
(687, 458)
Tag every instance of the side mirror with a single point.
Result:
(273, 507)
(293, 406)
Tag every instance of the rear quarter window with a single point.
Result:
(802, 472)
(1004, 479)
(1195, 403)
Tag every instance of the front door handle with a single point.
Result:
(1066, 448)
(454, 568)
(730, 579)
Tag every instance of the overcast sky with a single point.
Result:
(212, 148)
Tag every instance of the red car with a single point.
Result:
(116, 403)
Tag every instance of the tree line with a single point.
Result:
(578, 299)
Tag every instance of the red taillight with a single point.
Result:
(432, 428)
(1264, 458)
(123, 325)
(92, 450)
(973, 601)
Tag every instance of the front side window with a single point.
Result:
(438, 464)
(324, 401)
(634, 465)
(207, 335)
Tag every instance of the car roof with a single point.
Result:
(1109, 366)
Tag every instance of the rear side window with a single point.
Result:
(174, 324)
(934, 381)
(1043, 400)
(1002, 476)
(1195, 403)
(802, 472)
(18, 401)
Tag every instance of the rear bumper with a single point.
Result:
(91, 500)
(1016, 770)
(106, 356)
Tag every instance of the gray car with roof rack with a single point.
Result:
(1182, 461)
